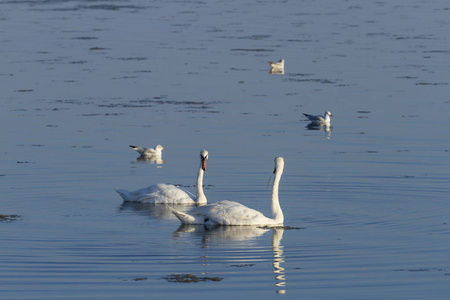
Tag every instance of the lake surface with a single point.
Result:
(366, 202)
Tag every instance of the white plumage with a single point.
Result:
(233, 213)
(277, 65)
(163, 193)
(325, 119)
(149, 151)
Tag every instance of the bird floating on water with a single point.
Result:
(233, 213)
(163, 193)
(319, 120)
(149, 151)
(277, 65)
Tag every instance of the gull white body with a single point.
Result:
(325, 119)
(149, 151)
(163, 193)
(277, 65)
(233, 213)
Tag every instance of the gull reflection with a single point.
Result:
(242, 236)
(276, 71)
(322, 127)
(156, 211)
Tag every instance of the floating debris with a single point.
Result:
(189, 278)
(136, 279)
(242, 265)
(9, 218)
(140, 279)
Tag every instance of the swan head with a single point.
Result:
(159, 147)
(279, 164)
(203, 159)
(327, 113)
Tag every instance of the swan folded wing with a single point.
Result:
(233, 213)
(158, 194)
(135, 196)
(167, 193)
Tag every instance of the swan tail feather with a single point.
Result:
(183, 217)
(122, 193)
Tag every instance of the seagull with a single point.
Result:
(277, 65)
(325, 119)
(149, 151)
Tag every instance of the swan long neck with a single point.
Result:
(201, 198)
(276, 208)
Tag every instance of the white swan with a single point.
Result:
(149, 151)
(277, 65)
(325, 119)
(162, 193)
(233, 213)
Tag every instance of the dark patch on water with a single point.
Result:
(71, 101)
(281, 227)
(107, 114)
(106, 7)
(242, 265)
(432, 83)
(136, 279)
(326, 81)
(132, 58)
(9, 218)
(421, 270)
(407, 77)
(85, 38)
(98, 48)
(250, 50)
(190, 278)
(190, 106)
(78, 62)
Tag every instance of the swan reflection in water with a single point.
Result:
(278, 259)
(156, 211)
(242, 236)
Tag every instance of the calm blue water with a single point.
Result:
(369, 198)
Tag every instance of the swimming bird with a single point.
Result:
(277, 65)
(163, 193)
(325, 119)
(149, 151)
(233, 213)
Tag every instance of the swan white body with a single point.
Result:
(325, 119)
(233, 213)
(277, 65)
(149, 151)
(162, 193)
